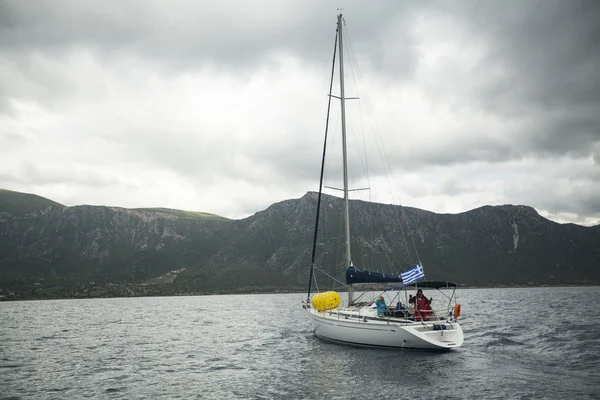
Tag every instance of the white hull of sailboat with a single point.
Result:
(385, 333)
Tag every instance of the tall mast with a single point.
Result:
(345, 155)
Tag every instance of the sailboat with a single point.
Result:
(410, 324)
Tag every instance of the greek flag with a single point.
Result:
(413, 274)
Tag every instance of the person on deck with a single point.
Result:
(400, 311)
(422, 306)
(382, 308)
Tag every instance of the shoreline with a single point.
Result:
(242, 291)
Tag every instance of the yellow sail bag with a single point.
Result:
(325, 301)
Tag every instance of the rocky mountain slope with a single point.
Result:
(45, 244)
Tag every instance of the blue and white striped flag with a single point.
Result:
(413, 274)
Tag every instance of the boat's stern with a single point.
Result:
(438, 335)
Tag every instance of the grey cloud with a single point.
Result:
(559, 188)
(539, 81)
(183, 32)
(549, 52)
(546, 96)
(582, 201)
(28, 173)
(539, 76)
(183, 36)
(574, 130)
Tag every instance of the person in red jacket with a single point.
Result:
(422, 305)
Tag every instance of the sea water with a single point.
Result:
(519, 343)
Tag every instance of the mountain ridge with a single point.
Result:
(68, 247)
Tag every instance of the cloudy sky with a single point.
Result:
(219, 106)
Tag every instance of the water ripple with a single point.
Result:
(183, 347)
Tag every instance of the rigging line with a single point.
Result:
(362, 129)
(332, 145)
(330, 276)
(353, 69)
(381, 149)
(328, 226)
(388, 170)
(404, 239)
(340, 245)
(327, 214)
(377, 135)
(359, 297)
(330, 216)
(314, 249)
(352, 62)
(364, 157)
(363, 93)
(316, 284)
(443, 294)
(371, 260)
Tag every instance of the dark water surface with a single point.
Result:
(519, 343)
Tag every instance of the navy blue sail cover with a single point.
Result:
(354, 275)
